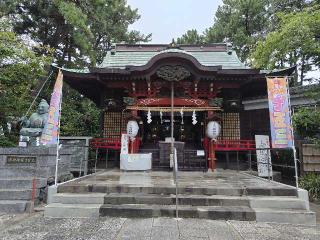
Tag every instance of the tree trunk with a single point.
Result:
(303, 62)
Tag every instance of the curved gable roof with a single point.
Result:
(207, 55)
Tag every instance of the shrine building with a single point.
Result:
(209, 82)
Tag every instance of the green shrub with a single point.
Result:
(311, 182)
(8, 142)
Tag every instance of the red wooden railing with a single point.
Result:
(212, 147)
(106, 143)
(234, 145)
(114, 143)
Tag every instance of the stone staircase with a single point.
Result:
(272, 204)
(16, 193)
(26, 164)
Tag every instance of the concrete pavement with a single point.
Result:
(36, 227)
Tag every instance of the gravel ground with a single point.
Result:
(36, 227)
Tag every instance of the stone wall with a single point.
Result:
(310, 158)
(37, 162)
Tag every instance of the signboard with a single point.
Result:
(22, 144)
(136, 161)
(200, 153)
(280, 122)
(124, 144)
(51, 129)
(263, 156)
(21, 160)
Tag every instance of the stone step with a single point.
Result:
(14, 206)
(22, 183)
(202, 200)
(277, 202)
(193, 200)
(58, 210)
(240, 213)
(16, 194)
(167, 190)
(285, 216)
(208, 212)
(74, 198)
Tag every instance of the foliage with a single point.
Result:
(240, 22)
(295, 42)
(79, 115)
(191, 37)
(306, 122)
(244, 22)
(311, 182)
(8, 141)
(80, 31)
(20, 70)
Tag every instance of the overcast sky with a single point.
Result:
(167, 19)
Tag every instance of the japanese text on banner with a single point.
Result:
(280, 122)
(51, 129)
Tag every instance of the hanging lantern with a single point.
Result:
(213, 130)
(149, 119)
(132, 129)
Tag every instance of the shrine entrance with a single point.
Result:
(184, 131)
(189, 134)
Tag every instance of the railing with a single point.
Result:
(114, 143)
(234, 145)
(105, 143)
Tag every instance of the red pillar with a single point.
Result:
(212, 156)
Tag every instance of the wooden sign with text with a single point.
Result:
(21, 160)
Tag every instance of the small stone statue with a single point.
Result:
(33, 127)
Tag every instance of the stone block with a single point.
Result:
(52, 191)
(16, 194)
(22, 183)
(57, 210)
(15, 206)
(303, 195)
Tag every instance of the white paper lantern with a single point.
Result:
(132, 129)
(213, 130)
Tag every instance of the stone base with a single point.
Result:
(27, 171)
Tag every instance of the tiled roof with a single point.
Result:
(123, 55)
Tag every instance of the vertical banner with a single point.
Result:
(280, 122)
(51, 129)
(124, 143)
(263, 156)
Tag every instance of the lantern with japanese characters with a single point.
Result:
(132, 129)
(213, 130)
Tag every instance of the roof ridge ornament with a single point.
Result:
(174, 45)
(173, 72)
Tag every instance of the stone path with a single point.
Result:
(37, 227)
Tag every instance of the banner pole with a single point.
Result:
(292, 134)
(58, 148)
(58, 142)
